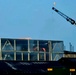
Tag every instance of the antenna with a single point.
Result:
(71, 47)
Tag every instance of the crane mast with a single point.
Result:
(65, 16)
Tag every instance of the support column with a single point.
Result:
(28, 51)
(14, 49)
(50, 50)
(22, 56)
(38, 50)
(0, 51)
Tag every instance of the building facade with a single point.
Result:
(30, 49)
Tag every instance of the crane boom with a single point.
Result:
(64, 16)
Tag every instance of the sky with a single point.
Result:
(37, 20)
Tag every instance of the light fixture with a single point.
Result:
(49, 69)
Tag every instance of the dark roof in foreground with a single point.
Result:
(33, 66)
(68, 62)
(69, 52)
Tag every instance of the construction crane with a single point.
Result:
(64, 16)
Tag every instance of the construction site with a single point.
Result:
(28, 56)
(35, 56)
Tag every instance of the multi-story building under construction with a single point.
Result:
(29, 56)
(32, 50)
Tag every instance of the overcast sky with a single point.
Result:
(37, 20)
